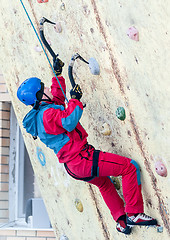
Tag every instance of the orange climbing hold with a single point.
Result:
(133, 33)
(42, 1)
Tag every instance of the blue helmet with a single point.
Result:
(27, 91)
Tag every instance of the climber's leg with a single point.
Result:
(115, 165)
(113, 201)
(110, 196)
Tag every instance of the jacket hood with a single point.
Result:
(30, 122)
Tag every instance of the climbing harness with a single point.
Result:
(94, 169)
(43, 47)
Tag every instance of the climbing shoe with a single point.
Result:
(140, 219)
(122, 225)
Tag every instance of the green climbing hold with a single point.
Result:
(120, 113)
(116, 182)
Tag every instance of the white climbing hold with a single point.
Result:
(38, 48)
(160, 229)
(133, 33)
(62, 7)
(64, 237)
(94, 66)
(58, 27)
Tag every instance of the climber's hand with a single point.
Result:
(76, 92)
(58, 65)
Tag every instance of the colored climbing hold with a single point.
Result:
(41, 156)
(58, 27)
(133, 33)
(106, 129)
(62, 7)
(160, 229)
(120, 113)
(116, 182)
(37, 48)
(79, 205)
(161, 169)
(64, 237)
(94, 66)
(42, 1)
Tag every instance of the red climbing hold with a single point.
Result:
(133, 33)
(161, 169)
(42, 1)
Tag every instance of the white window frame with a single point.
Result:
(16, 172)
(16, 179)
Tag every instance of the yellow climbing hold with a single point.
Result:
(106, 129)
(79, 205)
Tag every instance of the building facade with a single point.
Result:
(18, 187)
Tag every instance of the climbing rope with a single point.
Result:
(43, 48)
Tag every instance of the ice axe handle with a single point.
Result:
(70, 70)
(70, 74)
(41, 31)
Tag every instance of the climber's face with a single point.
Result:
(47, 91)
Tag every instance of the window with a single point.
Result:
(22, 184)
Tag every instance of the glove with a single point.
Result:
(58, 65)
(76, 92)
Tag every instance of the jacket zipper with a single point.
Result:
(79, 133)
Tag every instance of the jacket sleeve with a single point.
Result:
(58, 121)
(56, 91)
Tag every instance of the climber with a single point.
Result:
(58, 127)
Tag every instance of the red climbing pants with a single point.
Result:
(112, 165)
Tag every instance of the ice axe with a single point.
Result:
(93, 65)
(41, 29)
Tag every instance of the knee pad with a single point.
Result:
(137, 170)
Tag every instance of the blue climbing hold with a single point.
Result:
(41, 156)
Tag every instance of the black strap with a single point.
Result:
(95, 163)
(94, 172)
(86, 179)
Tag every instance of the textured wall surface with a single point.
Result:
(134, 75)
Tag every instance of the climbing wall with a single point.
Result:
(130, 41)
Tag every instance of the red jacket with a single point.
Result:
(56, 126)
(65, 122)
